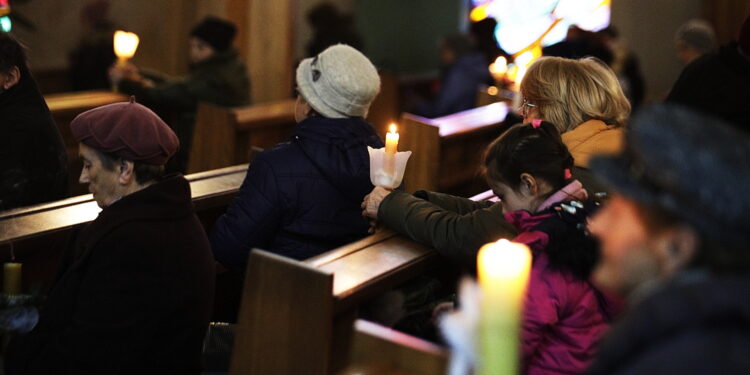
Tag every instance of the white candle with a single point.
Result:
(503, 268)
(391, 147)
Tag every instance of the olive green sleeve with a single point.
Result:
(455, 234)
(459, 205)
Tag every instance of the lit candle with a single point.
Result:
(391, 147)
(125, 45)
(499, 68)
(503, 269)
(12, 278)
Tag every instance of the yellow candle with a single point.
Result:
(391, 147)
(12, 278)
(503, 269)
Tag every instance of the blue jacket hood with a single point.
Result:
(338, 149)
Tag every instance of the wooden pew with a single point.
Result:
(64, 108)
(297, 317)
(447, 151)
(39, 234)
(381, 350)
(493, 94)
(224, 136)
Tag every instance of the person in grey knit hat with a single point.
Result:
(694, 39)
(301, 198)
(340, 82)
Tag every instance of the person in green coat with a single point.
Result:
(217, 76)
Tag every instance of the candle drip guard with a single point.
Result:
(378, 174)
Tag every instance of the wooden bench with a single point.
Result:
(224, 136)
(39, 234)
(64, 108)
(493, 94)
(381, 350)
(447, 151)
(297, 317)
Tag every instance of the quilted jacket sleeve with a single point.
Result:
(251, 220)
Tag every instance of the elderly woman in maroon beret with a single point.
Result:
(137, 291)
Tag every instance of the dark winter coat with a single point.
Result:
(717, 83)
(135, 297)
(33, 160)
(302, 197)
(698, 324)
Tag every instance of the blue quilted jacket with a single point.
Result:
(302, 197)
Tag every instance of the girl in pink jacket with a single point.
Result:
(529, 169)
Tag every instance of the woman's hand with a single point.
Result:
(371, 203)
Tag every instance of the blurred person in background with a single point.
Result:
(217, 76)
(33, 159)
(719, 82)
(694, 39)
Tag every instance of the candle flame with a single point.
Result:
(504, 259)
(125, 44)
(479, 13)
(392, 128)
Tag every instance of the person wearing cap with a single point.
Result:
(217, 76)
(301, 197)
(135, 292)
(33, 160)
(674, 241)
(719, 82)
(694, 39)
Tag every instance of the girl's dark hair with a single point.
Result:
(12, 53)
(540, 152)
(523, 148)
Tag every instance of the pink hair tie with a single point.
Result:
(536, 123)
(568, 174)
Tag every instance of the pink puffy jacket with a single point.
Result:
(564, 316)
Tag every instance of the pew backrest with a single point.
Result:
(381, 350)
(223, 136)
(296, 317)
(446, 151)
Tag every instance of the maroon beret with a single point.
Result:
(128, 130)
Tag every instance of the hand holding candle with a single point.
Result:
(503, 268)
(387, 165)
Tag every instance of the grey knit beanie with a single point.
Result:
(340, 82)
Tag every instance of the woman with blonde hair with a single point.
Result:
(584, 100)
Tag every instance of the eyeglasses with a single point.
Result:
(524, 105)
